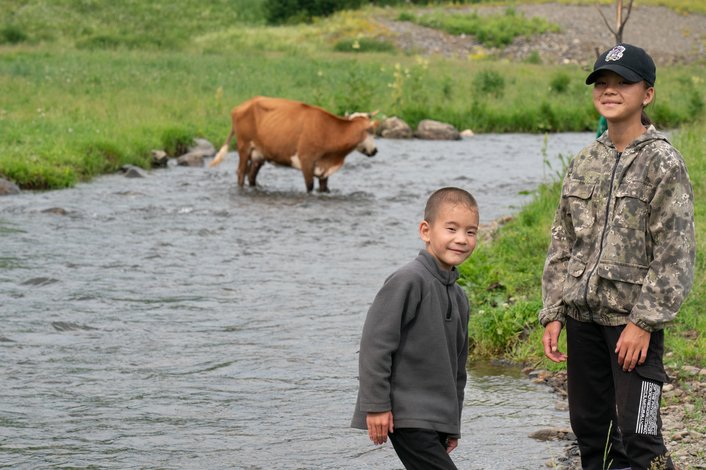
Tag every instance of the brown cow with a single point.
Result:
(295, 134)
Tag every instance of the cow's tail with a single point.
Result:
(223, 151)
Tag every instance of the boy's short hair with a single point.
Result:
(450, 195)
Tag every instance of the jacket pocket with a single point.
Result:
(619, 285)
(632, 200)
(573, 289)
(625, 247)
(576, 267)
(579, 194)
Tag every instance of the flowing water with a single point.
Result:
(176, 321)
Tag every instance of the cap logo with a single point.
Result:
(615, 54)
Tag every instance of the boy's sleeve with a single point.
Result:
(555, 266)
(671, 272)
(381, 338)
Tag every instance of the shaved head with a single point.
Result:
(448, 195)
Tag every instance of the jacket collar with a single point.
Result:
(650, 135)
(445, 277)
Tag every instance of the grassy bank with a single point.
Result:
(105, 85)
(68, 115)
(503, 277)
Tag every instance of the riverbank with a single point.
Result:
(682, 409)
(504, 285)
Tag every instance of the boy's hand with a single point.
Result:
(632, 346)
(451, 444)
(551, 341)
(379, 425)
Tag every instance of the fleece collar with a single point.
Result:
(445, 277)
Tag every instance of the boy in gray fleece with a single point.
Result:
(414, 346)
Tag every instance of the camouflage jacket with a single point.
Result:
(623, 245)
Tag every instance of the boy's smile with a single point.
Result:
(617, 99)
(451, 236)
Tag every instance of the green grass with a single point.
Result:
(503, 278)
(155, 24)
(89, 86)
(59, 105)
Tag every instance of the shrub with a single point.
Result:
(534, 58)
(363, 45)
(489, 82)
(12, 35)
(560, 83)
(297, 11)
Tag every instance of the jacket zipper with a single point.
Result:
(448, 309)
(605, 229)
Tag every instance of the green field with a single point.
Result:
(89, 85)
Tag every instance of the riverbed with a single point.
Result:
(178, 321)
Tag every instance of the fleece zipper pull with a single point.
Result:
(448, 309)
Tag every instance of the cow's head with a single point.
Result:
(367, 144)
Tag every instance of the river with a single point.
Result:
(177, 321)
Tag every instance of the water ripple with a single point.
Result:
(182, 322)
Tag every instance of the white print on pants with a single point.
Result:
(649, 407)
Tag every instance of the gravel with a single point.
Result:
(669, 37)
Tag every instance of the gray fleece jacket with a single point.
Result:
(414, 348)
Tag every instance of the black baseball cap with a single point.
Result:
(630, 62)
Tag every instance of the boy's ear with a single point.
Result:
(424, 230)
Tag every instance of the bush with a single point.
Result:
(560, 83)
(12, 35)
(363, 45)
(297, 11)
(534, 58)
(489, 82)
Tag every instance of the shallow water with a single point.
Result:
(177, 321)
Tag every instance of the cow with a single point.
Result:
(295, 134)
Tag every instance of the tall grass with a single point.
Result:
(503, 278)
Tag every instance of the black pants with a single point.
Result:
(421, 449)
(614, 414)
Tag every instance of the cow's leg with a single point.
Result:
(323, 184)
(308, 171)
(257, 159)
(244, 150)
(255, 166)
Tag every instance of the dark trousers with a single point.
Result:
(421, 449)
(614, 414)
